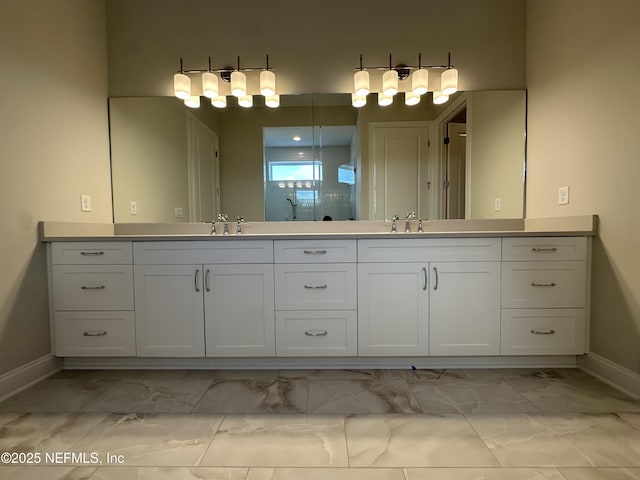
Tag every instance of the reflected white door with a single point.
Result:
(204, 168)
(455, 170)
(400, 180)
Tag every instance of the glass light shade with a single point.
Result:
(420, 81)
(267, 83)
(390, 83)
(246, 101)
(272, 101)
(361, 83)
(449, 81)
(209, 85)
(358, 101)
(219, 102)
(384, 100)
(193, 101)
(411, 98)
(440, 98)
(181, 86)
(238, 84)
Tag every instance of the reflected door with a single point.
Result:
(204, 167)
(400, 168)
(455, 171)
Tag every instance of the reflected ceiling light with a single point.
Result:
(246, 101)
(361, 82)
(193, 101)
(281, 184)
(219, 102)
(439, 98)
(181, 84)
(296, 138)
(272, 101)
(411, 98)
(358, 101)
(384, 100)
(449, 79)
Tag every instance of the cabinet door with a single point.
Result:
(393, 300)
(464, 308)
(169, 310)
(239, 310)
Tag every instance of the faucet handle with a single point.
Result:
(241, 220)
(223, 217)
(410, 215)
(395, 217)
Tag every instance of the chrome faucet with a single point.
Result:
(420, 230)
(238, 228)
(213, 227)
(408, 218)
(395, 217)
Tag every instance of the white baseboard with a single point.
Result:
(23, 377)
(617, 376)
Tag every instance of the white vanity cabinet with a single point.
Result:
(91, 286)
(315, 298)
(204, 298)
(544, 294)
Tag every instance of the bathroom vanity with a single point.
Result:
(147, 297)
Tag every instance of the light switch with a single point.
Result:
(179, 212)
(497, 204)
(85, 203)
(134, 208)
(563, 196)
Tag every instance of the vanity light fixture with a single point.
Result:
(219, 102)
(267, 81)
(246, 101)
(181, 84)
(272, 101)
(393, 75)
(210, 83)
(193, 101)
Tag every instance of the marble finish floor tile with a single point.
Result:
(415, 441)
(601, 473)
(330, 374)
(46, 473)
(172, 473)
(361, 396)
(232, 374)
(325, 473)
(279, 440)
(57, 395)
(574, 394)
(483, 474)
(548, 440)
(152, 439)
(254, 396)
(632, 419)
(467, 396)
(150, 396)
(503, 374)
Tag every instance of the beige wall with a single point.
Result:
(583, 77)
(314, 46)
(54, 137)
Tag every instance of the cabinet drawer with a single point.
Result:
(430, 250)
(544, 248)
(543, 284)
(311, 251)
(91, 253)
(302, 334)
(213, 251)
(95, 334)
(543, 332)
(316, 287)
(92, 287)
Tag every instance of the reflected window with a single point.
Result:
(300, 170)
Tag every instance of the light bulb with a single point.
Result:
(272, 101)
(193, 101)
(384, 100)
(439, 98)
(411, 98)
(449, 81)
(246, 101)
(420, 81)
(219, 102)
(267, 83)
(358, 101)
(361, 83)
(390, 83)
(181, 86)
(238, 84)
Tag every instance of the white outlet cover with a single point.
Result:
(497, 204)
(85, 203)
(563, 196)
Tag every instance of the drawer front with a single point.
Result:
(193, 253)
(91, 253)
(95, 334)
(543, 332)
(544, 248)
(430, 250)
(311, 251)
(543, 284)
(316, 287)
(306, 334)
(92, 287)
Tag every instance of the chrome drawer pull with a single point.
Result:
(196, 280)
(424, 271)
(207, 287)
(91, 254)
(315, 252)
(552, 284)
(543, 332)
(316, 333)
(99, 287)
(538, 249)
(315, 287)
(94, 334)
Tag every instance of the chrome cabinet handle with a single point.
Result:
(315, 287)
(549, 249)
(435, 270)
(206, 280)
(315, 252)
(316, 333)
(196, 279)
(94, 334)
(551, 331)
(91, 254)
(99, 287)
(552, 284)
(424, 271)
